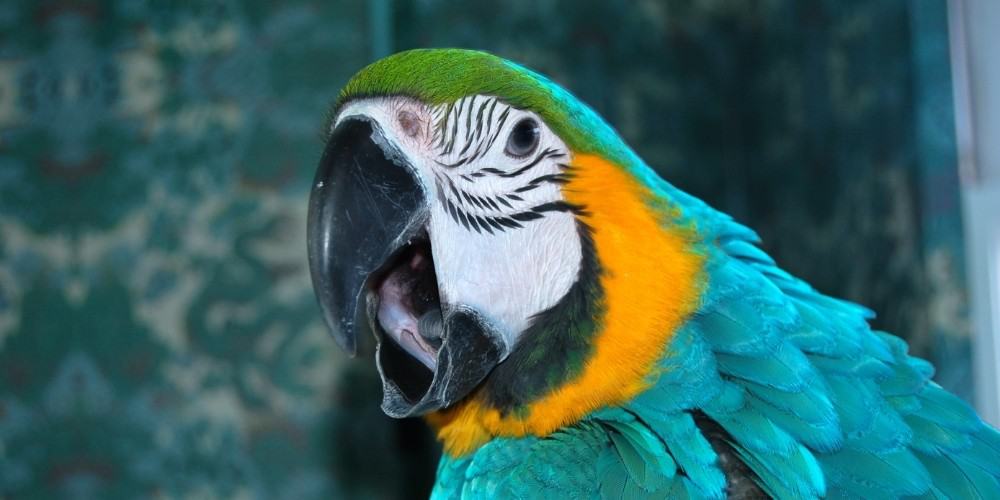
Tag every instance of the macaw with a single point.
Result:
(573, 326)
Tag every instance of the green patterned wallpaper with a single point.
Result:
(158, 335)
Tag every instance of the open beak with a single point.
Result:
(372, 268)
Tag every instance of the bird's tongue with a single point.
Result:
(427, 360)
(409, 307)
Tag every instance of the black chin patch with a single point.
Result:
(471, 348)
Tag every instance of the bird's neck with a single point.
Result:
(646, 280)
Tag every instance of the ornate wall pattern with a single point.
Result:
(158, 335)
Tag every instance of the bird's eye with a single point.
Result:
(523, 138)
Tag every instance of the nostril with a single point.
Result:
(409, 122)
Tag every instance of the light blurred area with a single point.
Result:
(976, 68)
(158, 332)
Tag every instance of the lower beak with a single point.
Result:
(366, 208)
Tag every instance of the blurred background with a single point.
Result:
(158, 331)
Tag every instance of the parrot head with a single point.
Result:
(517, 264)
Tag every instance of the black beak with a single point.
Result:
(367, 217)
(361, 203)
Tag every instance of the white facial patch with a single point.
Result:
(504, 241)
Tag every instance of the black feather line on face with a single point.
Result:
(553, 178)
(480, 149)
(555, 347)
(558, 206)
(472, 221)
(483, 224)
(489, 201)
(496, 223)
(453, 211)
(457, 113)
(548, 153)
(485, 203)
(468, 197)
(468, 127)
(453, 115)
(454, 190)
(511, 223)
(526, 216)
(500, 122)
(440, 117)
(464, 218)
(468, 209)
(489, 118)
(503, 221)
(470, 135)
(479, 118)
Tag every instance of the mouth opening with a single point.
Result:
(409, 317)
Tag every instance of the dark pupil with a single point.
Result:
(523, 138)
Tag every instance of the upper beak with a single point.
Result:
(367, 205)
(361, 205)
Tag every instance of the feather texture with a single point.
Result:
(812, 401)
(757, 367)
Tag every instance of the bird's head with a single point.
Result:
(493, 233)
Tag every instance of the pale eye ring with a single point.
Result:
(523, 138)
